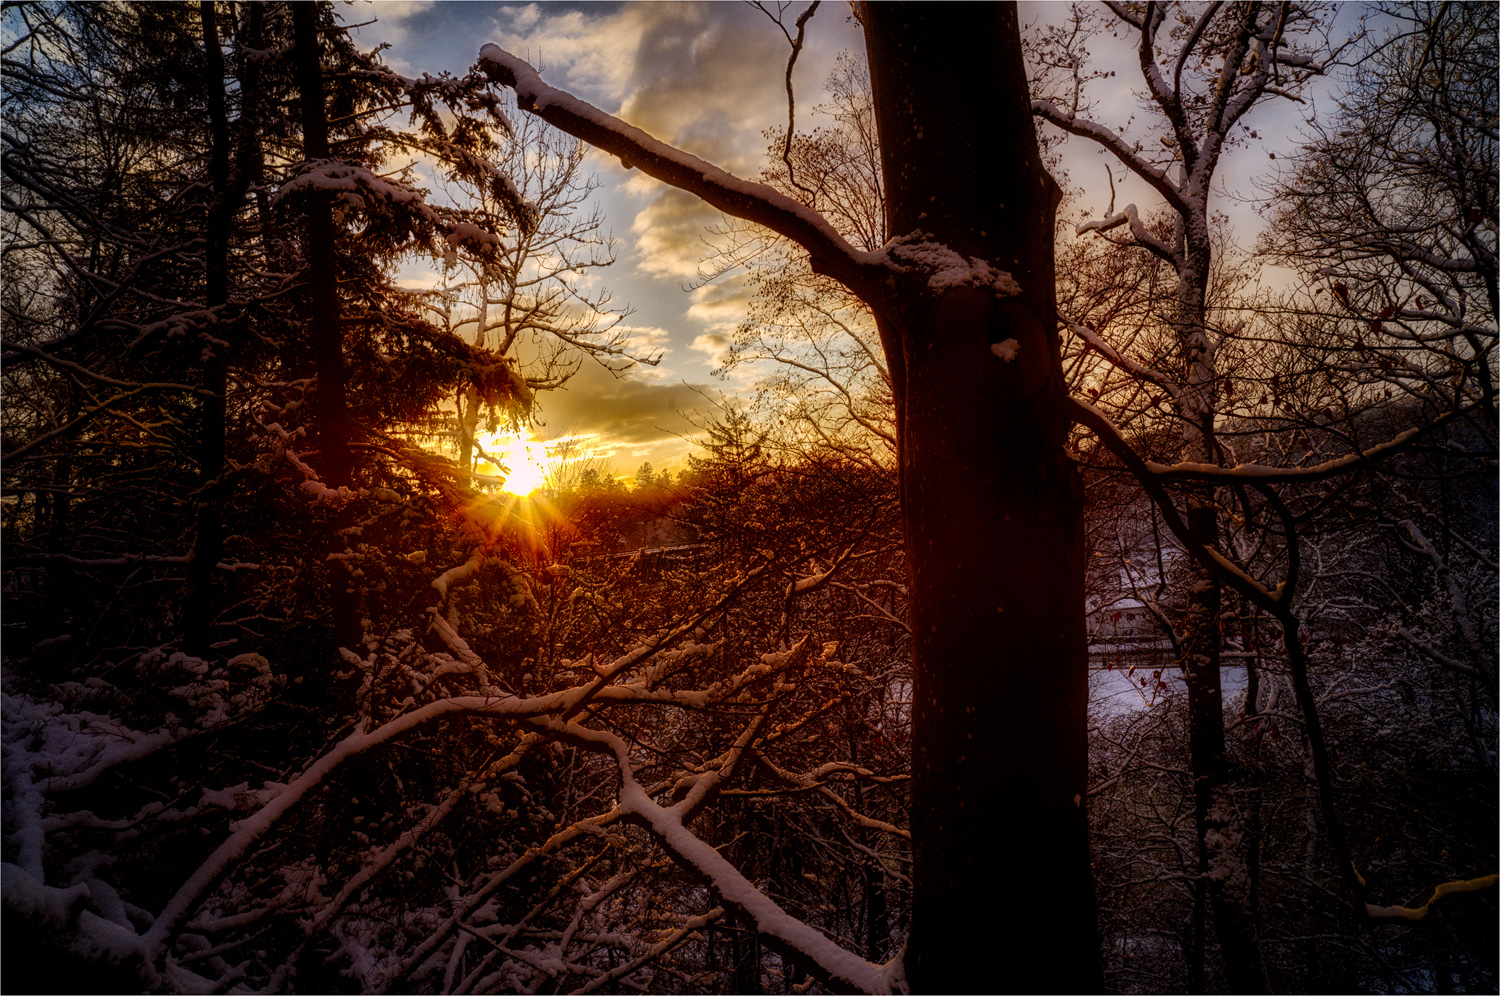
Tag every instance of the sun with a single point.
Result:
(523, 460)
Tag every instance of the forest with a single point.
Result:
(1069, 609)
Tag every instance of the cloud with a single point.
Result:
(589, 51)
(700, 76)
(647, 338)
(637, 416)
(413, 279)
(706, 77)
(714, 345)
(726, 300)
(672, 236)
(700, 79)
(649, 341)
(420, 34)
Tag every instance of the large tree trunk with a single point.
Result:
(1002, 885)
(1003, 893)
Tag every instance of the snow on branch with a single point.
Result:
(1138, 231)
(459, 575)
(356, 186)
(1084, 128)
(1120, 360)
(842, 969)
(1431, 652)
(180, 323)
(1419, 912)
(689, 927)
(451, 90)
(815, 781)
(251, 829)
(1212, 560)
(1248, 472)
(755, 202)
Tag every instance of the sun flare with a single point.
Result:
(523, 461)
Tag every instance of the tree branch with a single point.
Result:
(830, 254)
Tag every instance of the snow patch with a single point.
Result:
(947, 268)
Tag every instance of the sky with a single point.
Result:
(709, 78)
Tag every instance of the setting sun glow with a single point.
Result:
(523, 461)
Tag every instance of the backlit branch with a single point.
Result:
(756, 202)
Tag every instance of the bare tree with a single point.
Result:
(519, 291)
(829, 384)
(1389, 214)
(1203, 69)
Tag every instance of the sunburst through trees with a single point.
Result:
(1147, 649)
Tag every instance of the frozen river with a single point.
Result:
(1119, 690)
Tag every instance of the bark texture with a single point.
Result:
(1003, 894)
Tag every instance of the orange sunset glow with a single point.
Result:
(770, 497)
(519, 458)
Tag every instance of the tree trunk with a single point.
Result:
(229, 188)
(322, 270)
(335, 462)
(1003, 892)
(1222, 870)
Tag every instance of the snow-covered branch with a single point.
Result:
(1138, 231)
(1445, 889)
(841, 969)
(1125, 363)
(1122, 150)
(830, 253)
